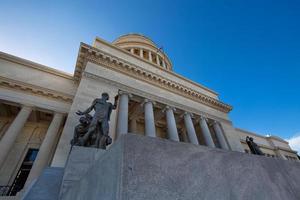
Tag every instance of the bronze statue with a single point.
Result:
(81, 129)
(98, 128)
(254, 148)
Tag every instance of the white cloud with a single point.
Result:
(294, 142)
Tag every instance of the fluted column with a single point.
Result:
(190, 128)
(13, 131)
(220, 135)
(150, 56)
(122, 122)
(171, 123)
(44, 153)
(149, 119)
(206, 133)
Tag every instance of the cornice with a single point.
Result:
(34, 90)
(94, 55)
(150, 63)
(272, 137)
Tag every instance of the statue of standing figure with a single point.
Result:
(94, 132)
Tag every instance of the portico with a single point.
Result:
(149, 117)
(28, 137)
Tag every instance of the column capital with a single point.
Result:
(202, 117)
(28, 106)
(169, 108)
(59, 113)
(186, 113)
(148, 100)
(215, 122)
(125, 93)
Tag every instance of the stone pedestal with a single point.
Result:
(139, 167)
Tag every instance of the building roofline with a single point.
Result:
(266, 137)
(28, 63)
(137, 34)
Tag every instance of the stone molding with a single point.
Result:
(34, 90)
(94, 55)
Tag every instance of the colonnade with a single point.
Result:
(48, 143)
(148, 106)
(159, 61)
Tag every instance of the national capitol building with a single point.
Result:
(38, 106)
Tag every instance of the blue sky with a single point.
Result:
(247, 51)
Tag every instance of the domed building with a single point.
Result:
(145, 48)
(38, 107)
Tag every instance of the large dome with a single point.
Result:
(145, 48)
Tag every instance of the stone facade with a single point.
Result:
(38, 106)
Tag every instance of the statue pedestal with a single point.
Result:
(139, 167)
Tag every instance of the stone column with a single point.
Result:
(171, 123)
(13, 131)
(132, 126)
(190, 128)
(164, 64)
(141, 53)
(220, 135)
(206, 133)
(150, 56)
(122, 121)
(132, 50)
(149, 119)
(44, 153)
(157, 59)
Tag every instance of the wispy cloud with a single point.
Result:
(295, 142)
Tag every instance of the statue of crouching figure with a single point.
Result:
(81, 129)
(98, 128)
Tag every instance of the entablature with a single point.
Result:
(88, 53)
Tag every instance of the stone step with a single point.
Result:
(47, 186)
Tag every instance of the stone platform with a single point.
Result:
(144, 168)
